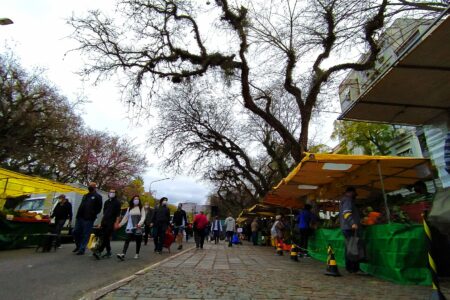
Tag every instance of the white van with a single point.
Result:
(45, 203)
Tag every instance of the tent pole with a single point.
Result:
(388, 214)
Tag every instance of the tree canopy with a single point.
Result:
(42, 134)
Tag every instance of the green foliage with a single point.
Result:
(372, 138)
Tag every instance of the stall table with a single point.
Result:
(396, 252)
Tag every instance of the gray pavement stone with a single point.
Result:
(248, 272)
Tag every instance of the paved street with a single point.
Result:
(247, 272)
(25, 274)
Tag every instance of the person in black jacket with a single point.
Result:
(160, 220)
(179, 222)
(62, 212)
(90, 206)
(111, 215)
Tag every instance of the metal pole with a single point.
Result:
(388, 214)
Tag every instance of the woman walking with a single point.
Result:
(134, 218)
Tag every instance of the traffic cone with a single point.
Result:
(294, 252)
(279, 247)
(332, 268)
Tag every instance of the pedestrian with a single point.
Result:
(62, 212)
(230, 227)
(148, 221)
(90, 207)
(160, 220)
(217, 229)
(179, 222)
(303, 221)
(111, 216)
(350, 223)
(255, 230)
(200, 224)
(134, 218)
(277, 232)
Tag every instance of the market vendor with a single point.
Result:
(350, 223)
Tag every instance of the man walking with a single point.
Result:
(62, 212)
(217, 229)
(304, 220)
(148, 221)
(111, 215)
(90, 206)
(255, 229)
(200, 224)
(230, 227)
(350, 222)
(179, 222)
(160, 220)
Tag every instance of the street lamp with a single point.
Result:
(150, 187)
(5, 21)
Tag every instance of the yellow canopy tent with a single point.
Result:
(325, 176)
(13, 184)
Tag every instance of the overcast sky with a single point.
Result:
(38, 38)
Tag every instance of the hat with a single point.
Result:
(62, 196)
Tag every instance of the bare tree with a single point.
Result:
(296, 44)
(201, 129)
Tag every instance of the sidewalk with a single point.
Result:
(249, 272)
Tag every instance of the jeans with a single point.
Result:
(350, 266)
(107, 231)
(130, 237)
(216, 236)
(255, 238)
(230, 238)
(59, 224)
(147, 232)
(304, 236)
(159, 238)
(81, 233)
(199, 236)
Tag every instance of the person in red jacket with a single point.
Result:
(200, 223)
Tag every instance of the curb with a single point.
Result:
(114, 286)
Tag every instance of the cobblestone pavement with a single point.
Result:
(248, 272)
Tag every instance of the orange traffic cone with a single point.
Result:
(332, 268)
(294, 252)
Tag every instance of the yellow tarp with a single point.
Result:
(13, 184)
(325, 176)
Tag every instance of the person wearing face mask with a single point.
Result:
(111, 215)
(134, 218)
(148, 221)
(160, 220)
(90, 207)
(62, 212)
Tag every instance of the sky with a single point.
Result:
(39, 38)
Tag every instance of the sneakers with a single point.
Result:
(75, 250)
(96, 255)
(121, 256)
(107, 255)
(136, 256)
(80, 253)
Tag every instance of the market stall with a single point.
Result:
(397, 252)
(21, 228)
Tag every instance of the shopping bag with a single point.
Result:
(355, 248)
(92, 241)
(235, 239)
